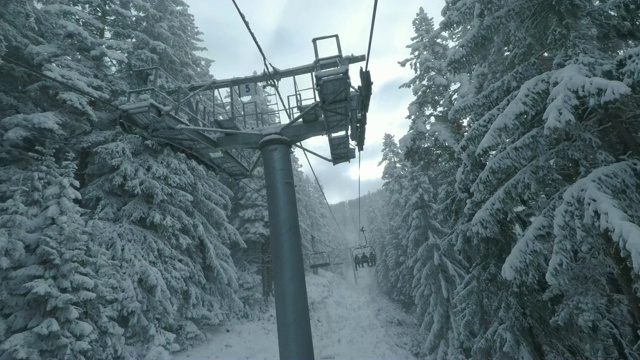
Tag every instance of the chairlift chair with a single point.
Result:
(319, 259)
(366, 250)
(337, 257)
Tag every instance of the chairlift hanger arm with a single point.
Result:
(365, 236)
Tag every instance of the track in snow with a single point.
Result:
(348, 321)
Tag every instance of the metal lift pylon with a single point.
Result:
(195, 119)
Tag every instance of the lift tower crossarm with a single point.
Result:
(232, 139)
(276, 73)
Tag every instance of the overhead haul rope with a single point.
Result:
(359, 224)
(373, 22)
(366, 67)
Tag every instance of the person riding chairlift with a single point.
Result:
(372, 259)
(364, 259)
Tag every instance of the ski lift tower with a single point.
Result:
(212, 123)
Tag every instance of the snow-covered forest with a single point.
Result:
(507, 226)
(112, 246)
(513, 202)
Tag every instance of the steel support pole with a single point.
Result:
(292, 308)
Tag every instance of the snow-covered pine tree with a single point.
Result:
(541, 85)
(250, 216)
(19, 29)
(77, 51)
(62, 41)
(429, 150)
(390, 247)
(49, 306)
(164, 220)
(165, 35)
(40, 123)
(407, 233)
(161, 216)
(317, 227)
(432, 84)
(47, 283)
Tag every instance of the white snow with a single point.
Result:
(348, 321)
(571, 83)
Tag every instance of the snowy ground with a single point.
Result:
(348, 321)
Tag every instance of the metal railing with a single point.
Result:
(204, 106)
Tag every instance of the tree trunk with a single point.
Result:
(625, 279)
(83, 163)
(103, 21)
(536, 346)
(267, 275)
(619, 345)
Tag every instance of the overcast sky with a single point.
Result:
(285, 28)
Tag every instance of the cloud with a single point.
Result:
(285, 28)
(341, 182)
(367, 170)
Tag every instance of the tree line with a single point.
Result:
(112, 246)
(512, 203)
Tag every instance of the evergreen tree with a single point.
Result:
(390, 247)
(251, 217)
(49, 298)
(518, 126)
(177, 275)
(429, 150)
(165, 35)
(19, 29)
(539, 87)
(315, 220)
(171, 241)
(58, 269)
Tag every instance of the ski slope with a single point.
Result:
(348, 321)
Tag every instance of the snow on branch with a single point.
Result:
(630, 62)
(572, 83)
(527, 252)
(513, 158)
(606, 198)
(483, 124)
(525, 161)
(442, 133)
(525, 103)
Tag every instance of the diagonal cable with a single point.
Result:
(264, 58)
(323, 194)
